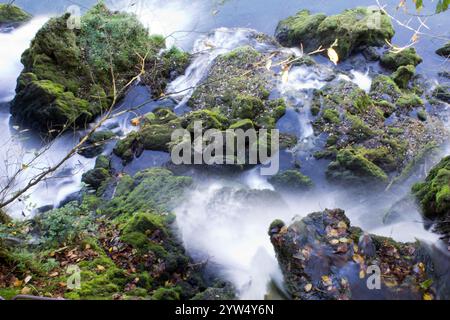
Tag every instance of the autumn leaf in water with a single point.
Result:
(285, 74)
(332, 54)
(308, 287)
(269, 64)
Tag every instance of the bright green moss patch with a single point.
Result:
(405, 57)
(12, 15)
(291, 180)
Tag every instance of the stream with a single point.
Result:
(231, 235)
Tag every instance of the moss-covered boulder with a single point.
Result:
(444, 51)
(291, 180)
(323, 257)
(353, 28)
(434, 195)
(403, 75)
(12, 16)
(154, 134)
(67, 78)
(393, 60)
(98, 176)
(238, 91)
(95, 144)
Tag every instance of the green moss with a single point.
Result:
(434, 193)
(442, 92)
(291, 180)
(12, 15)
(331, 116)
(403, 75)
(244, 124)
(384, 88)
(351, 28)
(405, 57)
(410, 100)
(352, 167)
(422, 115)
(166, 294)
(359, 130)
(210, 119)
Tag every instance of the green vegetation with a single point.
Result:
(12, 15)
(405, 57)
(291, 180)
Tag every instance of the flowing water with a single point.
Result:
(213, 223)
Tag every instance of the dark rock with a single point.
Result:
(444, 51)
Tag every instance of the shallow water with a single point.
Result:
(231, 235)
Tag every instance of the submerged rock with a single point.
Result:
(444, 51)
(393, 61)
(12, 16)
(291, 180)
(354, 29)
(323, 257)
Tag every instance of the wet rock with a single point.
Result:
(444, 51)
(98, 176)
(433, 195)
(96, 143)
(291, 180)
(442, 93)
(12, 16)
(403, 75)
(371, 54)
(405, 57)
(323, 257)
(353, 29)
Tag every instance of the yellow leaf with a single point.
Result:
(53, 274)
(344, 240)
(135, 121)
(326, 280)
(334, 241)
(100, 268)
(333, 56)
(269, 64)
(17, 283)
(25, 290)
(428, 296)
(332, 233)
(308, 287)
(358, 259)
(362, 274)
(88, 246)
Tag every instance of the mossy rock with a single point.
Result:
(245, 124)
(12, 16)
(444, 51)
(442, 93)
(67, 81)
(331, 116)
(384, 88)
(403, 75)
(409, 100)
(95, 144)
(351, 167)
(291, 180)
(405, 57)
(210, 119)
(352, 28)
(434, 193)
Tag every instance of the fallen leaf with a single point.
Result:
(342, 225)
(17, 283)
(25, 290)
(326, 281)
(88, 246)
(334, 241)
(362, 274)
(100, 268)
(53, 274)
(269, 64)
(135, 121)
(308, 287)
(358, 259)
(428, 296)
(27, 279)
(333, 56)
(285, 76)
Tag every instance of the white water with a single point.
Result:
(12, 46)
(18, 146)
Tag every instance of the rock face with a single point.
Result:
(12, 16)
(393, 61)
(433, 196)
(354, 29)
(67, 79)
(323, 257)
(444, 51)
